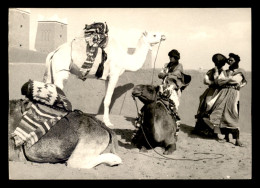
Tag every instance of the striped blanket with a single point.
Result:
(35, 123)
(44, 112)
(96, 36)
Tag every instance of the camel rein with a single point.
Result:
(155, 60)
(169, 158)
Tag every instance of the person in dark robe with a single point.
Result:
(174, 82)
(210, 78)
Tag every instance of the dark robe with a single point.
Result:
(175, 73)
(208, 94)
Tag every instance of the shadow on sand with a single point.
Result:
(118, 92)
(189, 130)
(125, 135)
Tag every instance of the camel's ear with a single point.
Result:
(86, 26)
(145, 33)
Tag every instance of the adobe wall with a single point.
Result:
(17, 55)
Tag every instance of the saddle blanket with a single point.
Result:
(48, 104)
(36, 122)
(46, 93)
(96, 36)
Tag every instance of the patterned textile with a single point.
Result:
(170, 92)
(46, 93)
(96, 36)
(35, 123)
(48, 105)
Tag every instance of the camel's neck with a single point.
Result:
(142, 48)
(135, 61)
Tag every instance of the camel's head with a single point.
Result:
(145, 93)
(153, 38)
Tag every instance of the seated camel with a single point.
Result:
(79, 139)
(158, 126)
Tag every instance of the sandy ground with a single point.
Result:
(195, 158)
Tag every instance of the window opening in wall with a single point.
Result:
(45, 35)
(21, 25)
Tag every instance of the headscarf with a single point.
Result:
(219, 60)
(174, 53)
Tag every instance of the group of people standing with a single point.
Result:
(218, 111)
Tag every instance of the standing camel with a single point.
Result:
(73, 54)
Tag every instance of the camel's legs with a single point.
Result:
(109, 92)
(86, 151)
(87, 154)
(170, 149)
(61, 78)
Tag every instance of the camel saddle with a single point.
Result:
(46, 105)
(170, 106)
(96, 36)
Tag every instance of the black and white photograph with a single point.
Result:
(130, 93)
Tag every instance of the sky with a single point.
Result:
(197, 33)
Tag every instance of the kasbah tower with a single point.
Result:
(19, 28)
(51, 33)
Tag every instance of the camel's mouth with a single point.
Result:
(136, 93)
(140, 97)
(143, 93)
(163, 38)
(139, 94)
